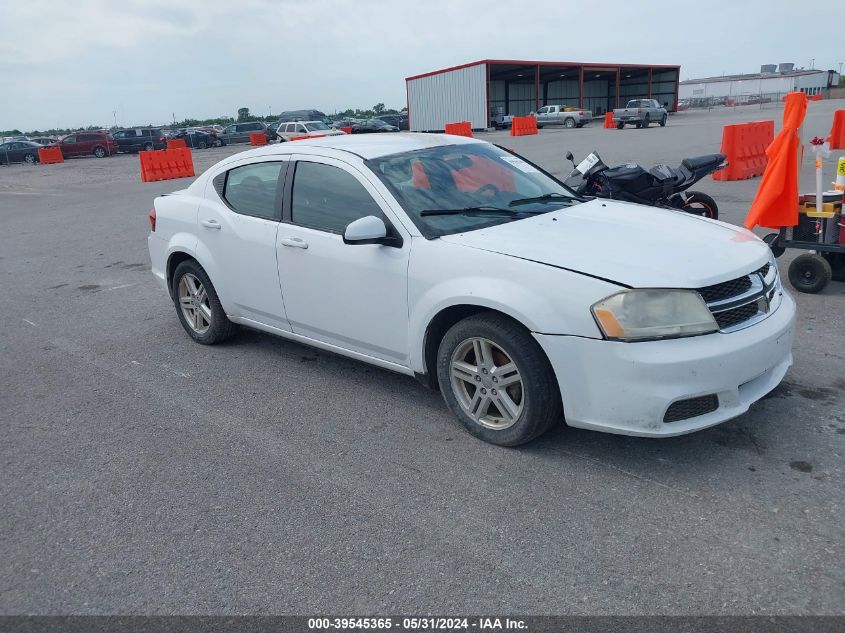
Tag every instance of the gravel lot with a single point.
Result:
(142, 473)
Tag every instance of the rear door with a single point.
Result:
(238, 222)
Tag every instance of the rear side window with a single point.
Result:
(251, 189)
(328, 198)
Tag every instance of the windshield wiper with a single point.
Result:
(469, 211)
(548, 197)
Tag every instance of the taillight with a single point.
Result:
(153, 220)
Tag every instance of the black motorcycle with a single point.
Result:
(660, 186)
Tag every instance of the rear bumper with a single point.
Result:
(626, 388)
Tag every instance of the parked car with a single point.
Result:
(98, 144)
(290, 116)
(198, 139)
(399, 121)
(44, 140)
(19, 152)
(9, 139)
(462, 264)
(373, 125)
(288, 131)
(239, 132)
(140, 139)
(560, 115)
(640, 112)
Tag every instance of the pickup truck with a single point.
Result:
(640, 112)
(559, 115)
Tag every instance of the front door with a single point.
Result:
(351, 296)
(238, 222)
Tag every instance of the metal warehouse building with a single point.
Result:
(772, 81)
(470, 92)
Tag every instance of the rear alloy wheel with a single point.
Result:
(810, 273)
(697, 203)
(203, 145)
(99, 152)
(148, 147)
(496, 379)
(569, 122)
(30, 159)
(197, 305)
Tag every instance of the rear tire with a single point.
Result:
(810, 273)
(569, 122)
(195, 295)
(30, 159)
(697, 203)
(513, 373)
(148, 147)
(99, 152)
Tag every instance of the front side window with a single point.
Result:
(251, 189)
(328, 198)
(455, 188)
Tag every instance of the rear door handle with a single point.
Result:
(211, 224)
(295, 242)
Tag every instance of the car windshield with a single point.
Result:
(316, 125)
(460, 179)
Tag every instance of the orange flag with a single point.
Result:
(776, 202)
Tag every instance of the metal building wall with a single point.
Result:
(449, 97)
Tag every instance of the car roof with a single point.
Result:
(366, 146)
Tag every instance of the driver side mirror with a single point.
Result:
(369, 230)
(570, 158)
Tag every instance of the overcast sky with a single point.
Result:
(72, 63)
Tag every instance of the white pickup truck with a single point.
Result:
(559, 115)
(640, 112)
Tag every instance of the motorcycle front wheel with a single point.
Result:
(697, 203)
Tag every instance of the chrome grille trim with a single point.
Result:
(732, 313)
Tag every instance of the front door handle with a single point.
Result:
(295, 242)
(211, 224)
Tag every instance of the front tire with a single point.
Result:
(810, 273)
(619, 126)
(663, 121)
(199, 310)
(203, 145)
(646, 121)
(697, 203)
(497, 380)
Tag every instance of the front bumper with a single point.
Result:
(627, 388)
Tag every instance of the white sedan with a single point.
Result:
(460, 263)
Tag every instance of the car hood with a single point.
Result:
(629, 244)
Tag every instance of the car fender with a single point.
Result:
(543, 298)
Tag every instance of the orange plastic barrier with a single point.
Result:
(166, 164)
(608, 121)
(347, 129)
(257, 138)
(302, 138)
(173, 143)
(745, 146)
(50, 155)
(464, 128)
(523, 125)
(837, 132)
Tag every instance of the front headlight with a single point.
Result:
(636, 315)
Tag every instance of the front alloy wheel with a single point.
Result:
(486, 383)
(496, 379)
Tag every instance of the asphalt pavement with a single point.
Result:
(143, 473)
